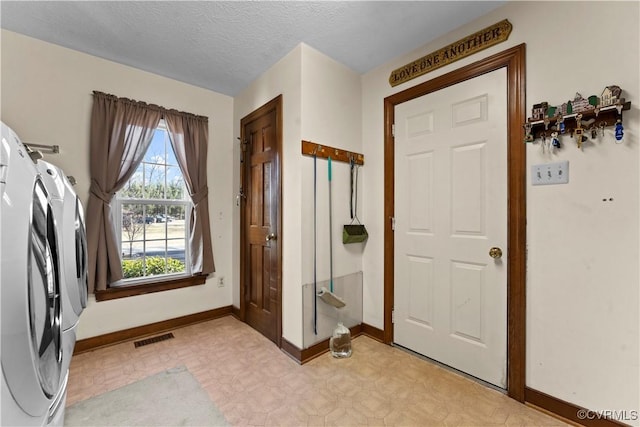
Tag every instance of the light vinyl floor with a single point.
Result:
(253, 383)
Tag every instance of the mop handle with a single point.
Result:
(315, 255)
(330, 232)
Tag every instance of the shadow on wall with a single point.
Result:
(349, 289)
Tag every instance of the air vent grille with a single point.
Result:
(153, 340)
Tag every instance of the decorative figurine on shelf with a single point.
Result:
(619, 131)
(539, 111)
(580, 104)
(569, 107)
(610, 96)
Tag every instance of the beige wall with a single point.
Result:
(46, 98)
(583, 322)
(284, 78)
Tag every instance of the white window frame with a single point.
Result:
(185, 202)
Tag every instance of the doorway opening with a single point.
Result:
(513, 60)
(261, 220)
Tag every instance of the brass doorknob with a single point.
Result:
(495, 253)
(270, 236)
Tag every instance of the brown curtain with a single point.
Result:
(189, 137)
(121, 131)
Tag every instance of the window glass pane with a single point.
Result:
(176, 234)
(153, 240)
(176, 214)
(154, 235)
(133, 187)
(156, 148)
(171, 155)
(154, 180)
(132, 225)
(175, 183)
(132, 249)
(175, 249)
(155, 222)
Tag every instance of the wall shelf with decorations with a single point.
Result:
(586, 117)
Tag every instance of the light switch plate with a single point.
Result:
(550, 173)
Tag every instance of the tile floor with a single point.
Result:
(253, 383)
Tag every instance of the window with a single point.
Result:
(152, 212)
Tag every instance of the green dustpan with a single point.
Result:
(354, 233)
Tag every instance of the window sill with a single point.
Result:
(147, 288)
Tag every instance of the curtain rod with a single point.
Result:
(151, 106)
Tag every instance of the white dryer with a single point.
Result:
(33, 379)
(69, 219)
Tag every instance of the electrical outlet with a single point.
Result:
(221, 282)
(550, 173)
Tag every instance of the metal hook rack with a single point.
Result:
(577, 116)
(54, 149)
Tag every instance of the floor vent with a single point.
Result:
(153, 340)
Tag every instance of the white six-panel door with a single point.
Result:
(450, 301)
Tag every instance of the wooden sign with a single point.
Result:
(469, 45)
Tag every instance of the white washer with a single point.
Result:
(55, 188)
(33, 380)
(75, 244)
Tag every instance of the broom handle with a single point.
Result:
(330, 233)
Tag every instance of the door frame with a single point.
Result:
(513, 60)
(274, 105)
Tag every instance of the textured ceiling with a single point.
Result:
(225, 45)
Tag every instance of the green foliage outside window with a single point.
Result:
(132, 268)
(135, 190)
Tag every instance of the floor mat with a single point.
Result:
(170, 398)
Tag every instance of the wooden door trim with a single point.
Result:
(274, 105)
(513, 60)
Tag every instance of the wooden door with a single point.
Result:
(261, 254)
(450, 211)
